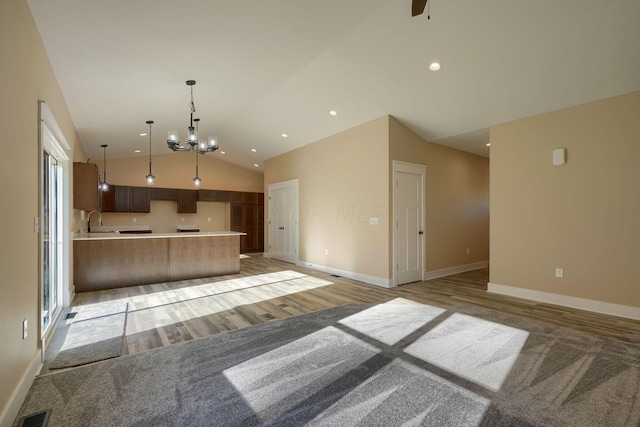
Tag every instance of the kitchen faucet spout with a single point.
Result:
(89, 220)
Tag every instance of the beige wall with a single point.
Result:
(26, 78)
(176, 170)
(163, 218)
(346, 179)
(582, 216)
(343, 181)
(457, 198)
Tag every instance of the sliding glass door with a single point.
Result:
(51, 232)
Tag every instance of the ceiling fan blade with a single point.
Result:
(418, 7)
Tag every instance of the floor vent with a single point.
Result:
(70, 316)
(41, 419)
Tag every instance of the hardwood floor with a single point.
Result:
(168, 313)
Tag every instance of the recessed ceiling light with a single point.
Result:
(136, 151)
(488, 144)
(435, 66)
(333, 113)
(144, 134)
(256, 165)
(222, 152)
(284, 135)
(254, 150)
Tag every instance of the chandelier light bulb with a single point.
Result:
(196, 181)
(150, 179)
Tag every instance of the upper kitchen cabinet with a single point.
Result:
(187, 201)
(85, 186)
(120, 198)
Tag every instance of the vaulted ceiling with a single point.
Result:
(270, 67)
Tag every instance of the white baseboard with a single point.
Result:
(10, 411)
(372, 280)
(435, 274)
(567, 301)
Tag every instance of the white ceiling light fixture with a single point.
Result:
(284, 135)
(150, 178)
(488, 144)
(192, 143)
(435, 66)
(333, 113)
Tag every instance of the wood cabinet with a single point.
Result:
(85, 186)
(121, 198)
(140, 199)
(108, 197)
(214, 195)
(247, 215)
(164, 194)
(187, 201)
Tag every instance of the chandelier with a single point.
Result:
(192, 143)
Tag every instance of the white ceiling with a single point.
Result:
(267, 67)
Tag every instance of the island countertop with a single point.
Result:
(112, 235)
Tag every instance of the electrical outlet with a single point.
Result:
(134, 219)
(24, 329)
(209, 219)
(182, 219)
(326, 251)
(468, 251)
(559, 272)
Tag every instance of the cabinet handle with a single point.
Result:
(280, 228)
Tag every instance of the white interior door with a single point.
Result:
(283, 221)
(409, 237)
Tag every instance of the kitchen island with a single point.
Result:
(114, 260)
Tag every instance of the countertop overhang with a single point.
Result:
(118, 236)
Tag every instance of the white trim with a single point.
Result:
(568, 301)
(372, 280)
(64, 149)
(10, 411)
(435, 274)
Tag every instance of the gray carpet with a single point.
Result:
(396, 364)
(95, 333)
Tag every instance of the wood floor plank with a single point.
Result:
(167, 313)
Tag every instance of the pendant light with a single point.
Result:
(197, 180)
(104, 185)
(150, 177)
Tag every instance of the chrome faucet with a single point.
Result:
(89, 220)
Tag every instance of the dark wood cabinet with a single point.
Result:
(214, 195)
(247, 215)
(108, 199)
(85, 186)
(187, 201)
(164, 194)
(121, 198)
(140, 199)
(244, 197)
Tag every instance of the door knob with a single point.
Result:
(420, 232)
